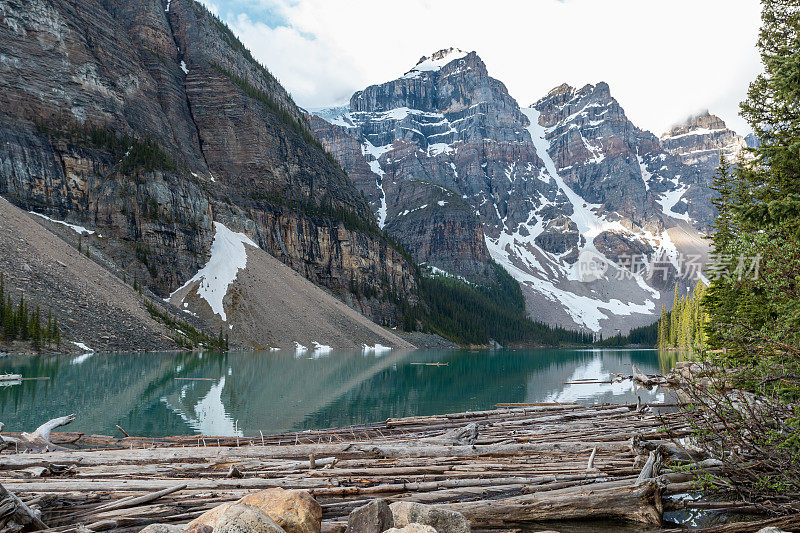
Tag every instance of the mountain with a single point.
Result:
(39, 264)
(149, 123)
(699, 140)
(592, 215)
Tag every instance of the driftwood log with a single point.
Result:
(16, 516)
(611, 500)
(39, 440)
(501, 467)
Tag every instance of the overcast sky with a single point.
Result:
(664, 59)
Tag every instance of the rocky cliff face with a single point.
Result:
(587, 211)
(440, 143)
(147, 120)
(700, 139)
(608, 161)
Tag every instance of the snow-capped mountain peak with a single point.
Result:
(437, 60)
(699, 140)
(588, 212)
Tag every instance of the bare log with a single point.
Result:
(43, 431)
(15, 515)
(147, 498)
(39, 440)
(465, 436)
(651, 467)
(597, 501)
(590, 466)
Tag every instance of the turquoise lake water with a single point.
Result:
(148, 394)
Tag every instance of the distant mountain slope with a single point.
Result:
(93, 307)
(147, 121)
(699, 140)
(448, 159)
(265, 304)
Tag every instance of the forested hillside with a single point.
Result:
(684, 326)
(470, 314)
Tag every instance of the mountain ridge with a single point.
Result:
(147, 122)
(566, 182)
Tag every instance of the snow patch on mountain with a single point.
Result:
(80, 230)
(544, 271)
(375, 167)
(436, 61)
(228, 257)
(590, 225)
(670, 199)
(646, 175)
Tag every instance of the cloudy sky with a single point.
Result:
(663, 59)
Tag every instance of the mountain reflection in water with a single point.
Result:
(244, 393)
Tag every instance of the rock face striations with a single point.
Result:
(438, 144)
(147, 121)
(699, 140)
(590, 213)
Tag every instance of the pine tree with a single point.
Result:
(663, 328)
(723, 185)
(36, 330)
(22, 318)
(674, 326)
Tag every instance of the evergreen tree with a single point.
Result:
(764, 208)
(674, 318)
(36, 330)
(2, 305)
(663, 328)
(753, 311)
(723, 186)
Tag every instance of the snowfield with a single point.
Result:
(228, 257)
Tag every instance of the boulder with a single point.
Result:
(209, 518)
(375, 517)
(199, 528)
(413, 528)
(443, 520)
(162, 528)
(243, 518)
(296, 511)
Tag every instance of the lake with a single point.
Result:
(159, 394)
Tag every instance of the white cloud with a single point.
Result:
(663, 59)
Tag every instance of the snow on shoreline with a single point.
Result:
(321, 349)
(377, 349)
(228, 257)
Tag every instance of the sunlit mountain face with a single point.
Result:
(596, 218)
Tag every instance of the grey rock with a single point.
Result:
(412, 528)
(374, 517)
(163, 528)
(243, 518)
(442, 520)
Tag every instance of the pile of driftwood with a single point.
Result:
(516, 464)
